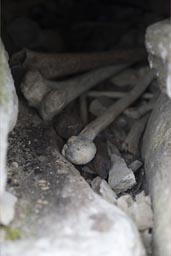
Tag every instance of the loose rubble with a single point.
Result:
(121, 178)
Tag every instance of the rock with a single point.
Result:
(95, 184)
(136, 165)
(121, 178)
(67, 218)
(139, 210)
(158, 44)
(107, 193)
(146, 236)
(7, 207)
(8, 118)
(102, 188)
(157, 157)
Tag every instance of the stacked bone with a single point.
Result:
(51, 97)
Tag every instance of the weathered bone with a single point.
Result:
(114, 95)
(81, 149)
(131, 144)
(51, 97)
(62, 64)
(139, 111)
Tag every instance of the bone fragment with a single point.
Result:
(139, 111)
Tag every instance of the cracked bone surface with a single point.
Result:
(52, 97)
(8, 117)
(81, 149)
(62, 64)
(158, 44)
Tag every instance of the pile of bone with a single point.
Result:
(101, 129)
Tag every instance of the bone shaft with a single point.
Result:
(80, 84)
(134, 136)
(116, 109)
(62, 64)
(85, 82)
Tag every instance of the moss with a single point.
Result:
(12, 234)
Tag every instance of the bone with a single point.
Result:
(139, 111)
(113, 94)
(81, 149)
(83, 109)
(98, 106)
(59, 65)
(104, 99)
(52, 97)
(132, 141)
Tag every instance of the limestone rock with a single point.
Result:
(121, 178)
(58, 212)
(139, 209)
(157, 157)
(158, 44)
(8, 117)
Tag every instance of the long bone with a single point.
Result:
(52, 97)
(58, 65)
(81, 149)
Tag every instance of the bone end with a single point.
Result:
(7, 208)
(52, 104)
(79, 150)
(33, 87)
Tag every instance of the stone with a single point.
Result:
(135, 165)
(101, 187)
(139, 209)
(158, 44)
(156, 152)
(68, 219)
(146, 236)
(8, 118)
(121, 178)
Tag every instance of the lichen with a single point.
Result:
(12, 234)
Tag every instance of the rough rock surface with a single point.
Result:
(157, 156)
(121, 178)
(158, 43)
(8, 117)
(57, 212)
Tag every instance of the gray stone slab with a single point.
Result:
(57, 212)
(157, 157)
